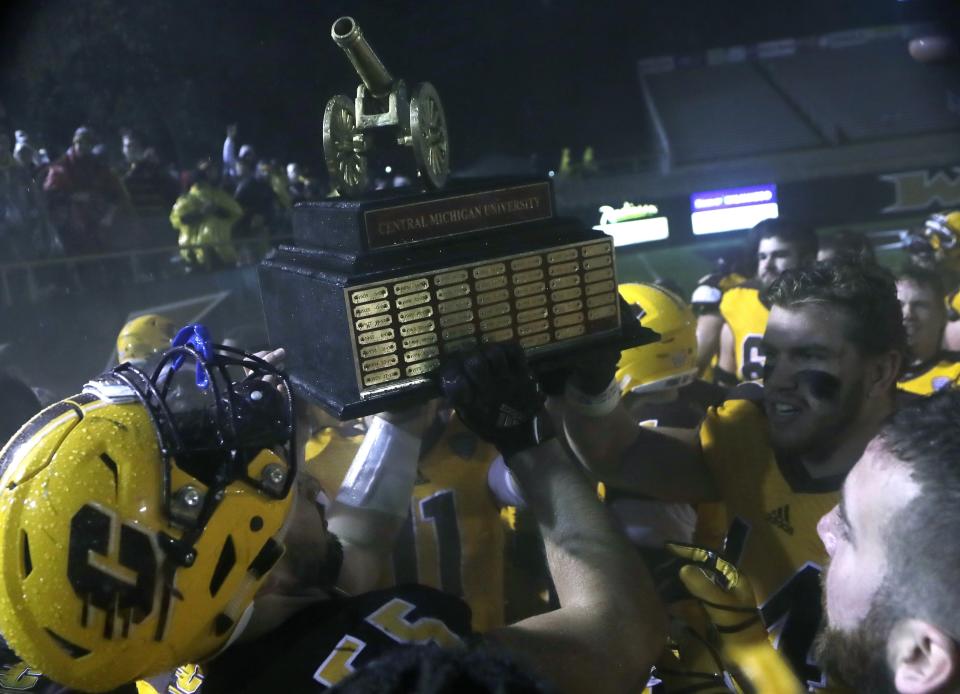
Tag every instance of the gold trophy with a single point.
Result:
(382, 102)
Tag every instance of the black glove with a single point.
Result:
(497, 397)
(595, 369)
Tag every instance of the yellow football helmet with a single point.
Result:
(669, 363)
(135, 525)
(143, 337)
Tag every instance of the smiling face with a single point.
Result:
(815, 383)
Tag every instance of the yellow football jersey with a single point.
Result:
(953, 305)
(779, 505)
(746, 315)
(926, 379)
(453, 539)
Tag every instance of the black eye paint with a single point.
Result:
(820, 384)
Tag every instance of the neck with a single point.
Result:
(841, 457)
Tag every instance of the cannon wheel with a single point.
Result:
(428, 129)
(346, 162)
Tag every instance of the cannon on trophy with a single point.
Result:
(381, 102)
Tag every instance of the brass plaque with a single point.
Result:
(528, 289)
(495, 323)
(567, 307)
(600, 300)
(419, 340)
(380, 362)
(565, 294)
(421, 354)
(562, 255)
(599, 287)
(364, 310)
(417, 285)
(453, 291)
(460, 345)
(422, 368)
(531, 301)
(494, 310)
(379, 377)
(458, 331)
(376, 336)
(374, 323)
(598, 261)
(490, 283)
(378, 350)
(455, 305)
(563, 269)
(572, 331)
(564, 282)
(492, 297)
(532, 314)
(372, 294)
(499, 335)
(456, 318)
(535, 327)
(602, 274)
(528, 276)
(460, 214)
(526, 263)
(595, 249)
(601, 312)
(535, 340)
(423, 326)
(454, 277)
(568, 319)
(413, 300)
(415, 314)
(489, 270)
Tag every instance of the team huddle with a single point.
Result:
(764, 499)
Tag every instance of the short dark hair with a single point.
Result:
(788, 230)
(849, 244)
(923, 566)
(923, 277)
(432, 670)
(867, 294)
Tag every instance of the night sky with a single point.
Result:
(516, 77)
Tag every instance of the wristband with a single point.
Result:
(598, 405)
(383, 472)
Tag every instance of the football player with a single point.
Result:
(928, 367)
(774, 456)
(891, 602)
(138, 532)
(780, 245)
(705, 301)
(143, 339)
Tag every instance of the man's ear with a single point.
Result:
(884, 373)
(923, 658)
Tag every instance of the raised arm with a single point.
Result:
(615, 449)
(610, 626)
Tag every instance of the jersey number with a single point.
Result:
(753, 358)
(391, 620)
(796, 610)
(441, 511)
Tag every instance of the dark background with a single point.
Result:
(517, 77)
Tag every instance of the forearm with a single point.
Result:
(610, 626)
(636, 459)
(374, 499)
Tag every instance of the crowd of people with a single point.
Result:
(84, 203)
(762, 499)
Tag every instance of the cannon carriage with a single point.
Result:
(381, 102)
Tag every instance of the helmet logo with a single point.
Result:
(112, 567)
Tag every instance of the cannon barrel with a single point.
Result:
(346, 34)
